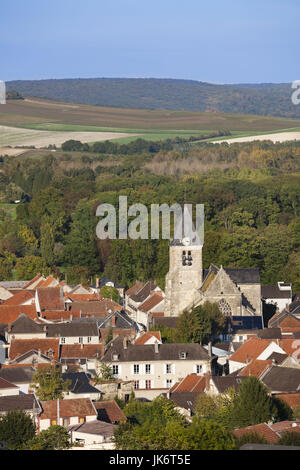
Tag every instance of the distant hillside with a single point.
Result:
(165, 94)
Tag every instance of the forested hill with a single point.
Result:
(165, 94)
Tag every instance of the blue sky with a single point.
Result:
(221, 41)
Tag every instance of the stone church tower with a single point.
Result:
(237, 291)
(185, 274)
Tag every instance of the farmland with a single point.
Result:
(40, 123)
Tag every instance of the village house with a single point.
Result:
(155, 367)
(66, 412)
(280, 295)
(93, 435)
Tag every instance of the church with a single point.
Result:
(237, 291)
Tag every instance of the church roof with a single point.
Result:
(237, 275)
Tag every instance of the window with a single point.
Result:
(148, 384)
(182, 355)
(198, 369)
(81, 420)
(63, 340)
(66, 422)
(89, 339)
(168, 368)
(225, 308)
(148, 368)
(169, 383)
(50, 353)
(115, 370)
(115, 357)
(53, 422)
(80, 339)
(136, 369)
(136, 385)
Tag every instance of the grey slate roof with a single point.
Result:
(95, 427)
(146, 352)
(170, 322)
(223, 383)
(72, 329)
(26, 402)
(17, 374)
(244, 275)
(24, 324)
(123, 321)
(185, 400)
(79, 383)
(144, 292)
(269, 333)
(282, 379)
(278, 358)
(238, 275)
(273, 292)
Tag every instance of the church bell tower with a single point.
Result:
(185, 267)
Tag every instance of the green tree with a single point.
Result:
(252, 405)
(201, 324)
(49, 384)
(16, 429)
(289, 438)
(208, 435)
(109, 292)
(54, 438)
(251, 437)
(28, 267)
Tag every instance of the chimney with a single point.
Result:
(125, 343)
(156, 347)
(113, 320)
(207, 382)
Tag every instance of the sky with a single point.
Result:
(219, 41)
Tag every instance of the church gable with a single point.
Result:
(218, 284)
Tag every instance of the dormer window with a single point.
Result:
(182, 355)
(115, 357)
(50, 353)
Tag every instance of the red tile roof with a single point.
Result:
(68, 408)
(250, 350)
(22, 346)
(290, 346)
(51, 298)
(20, 297)
(255, 368)
(34, 280)
(191, 383)
(292, 399)
(109, 411)
(58, 315)
(146, 336)
(83, 297)
(286, 425)
(10, 313)
(81, 351)
(154, 300)
(135, 288)
(262, 429)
